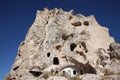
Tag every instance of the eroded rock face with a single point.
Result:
(115, 50)
(62, 44)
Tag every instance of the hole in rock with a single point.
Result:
(19, 54)
(48, 54)
(56, 72)
(81, 72)
(72, 46)
(74, 72)
(76, 24)
(80, 46)
(65, 37)
(84, 45)
(63, 72)
(55, 61)
(86, 23)
(58, 47)
(81, 53)
(35, 73)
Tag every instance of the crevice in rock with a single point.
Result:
(15, 68)
(22, 43)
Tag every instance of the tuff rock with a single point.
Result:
(62, 46)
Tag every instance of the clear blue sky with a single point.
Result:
(16, 16)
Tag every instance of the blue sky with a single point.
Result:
(16, 16)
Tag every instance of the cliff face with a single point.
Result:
(60, 45)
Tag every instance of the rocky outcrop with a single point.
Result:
(114, 50)
(63, 46)
(113, 67)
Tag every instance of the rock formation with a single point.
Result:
(63, 46)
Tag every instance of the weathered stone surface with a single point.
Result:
(113, 68)
(115, 50)
(57, 78)
(60, 45)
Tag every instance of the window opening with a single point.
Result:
(74, 72)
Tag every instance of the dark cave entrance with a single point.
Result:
(55, 61)
(72, 46)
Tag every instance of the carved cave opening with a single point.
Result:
(55, 61)
(74, 72)
(72, 46)
(86, 23)
(35, 73)
(77, 24)
(48, 54)
(81, 72)
(65, 37)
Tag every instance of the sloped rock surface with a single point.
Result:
(60, 45)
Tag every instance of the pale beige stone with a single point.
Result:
(58, 39)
